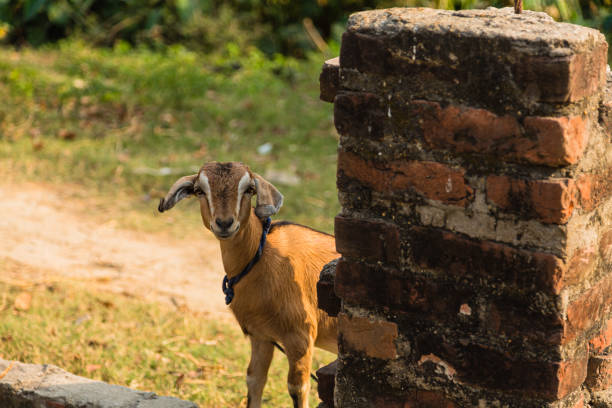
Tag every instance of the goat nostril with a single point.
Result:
(224, 224)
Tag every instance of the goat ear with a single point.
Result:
(182, 188)
(269, 199)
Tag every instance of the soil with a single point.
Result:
(44, 236)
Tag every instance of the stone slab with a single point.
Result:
(48, 386)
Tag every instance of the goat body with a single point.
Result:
(276, 302)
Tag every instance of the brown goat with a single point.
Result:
(276, 302)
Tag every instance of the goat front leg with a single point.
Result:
(299, 354)
(257, 373)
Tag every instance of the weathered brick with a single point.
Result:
(602, 339)
(463, 129)
(326, 376)
(563, 79)
(54, 404)
(444, 300)
(605, 118)
(375, 338)
(594, 189)
(580, 265)
(605, 246)
(359, 114)
(372, 240)
(329, 80)
(605, 108)
(578, 403)
(366, 53)
(497, 370)
(327, 299)
(560, 141)
(326, 296)
(551, 64)
(498, 263)
(599, 375)
(552, 201)
(428, 399)
(430, 179)
(551, 141)
(368, 285)
(591, 307)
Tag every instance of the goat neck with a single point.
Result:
(237, 251)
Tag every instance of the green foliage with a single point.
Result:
(275, 26)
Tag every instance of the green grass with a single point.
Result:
(147, 346)
(117, 121)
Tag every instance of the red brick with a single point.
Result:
(429, 399)
(551, 141)
(537, 78)
(366, 53)
(603, 339)
(370, 285)
(329, 80)
(497, 370)
(589, 309)
(327, 299)
(579, 402)
(551, 201)
(326, 376)
(599, 375)
(374, 285)
(560, 141)
(464, 129)
(580, 266)
(594, 189)
(562, 79)
(459, 255)
(430, 179)
(374, 338)
(54, 404)
(372, 240)
(359, 114)
(387, 402)
(442, 300)
(605, 247)
(509, 318)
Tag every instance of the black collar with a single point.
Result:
(228, 283)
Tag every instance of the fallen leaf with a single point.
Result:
(23, 301)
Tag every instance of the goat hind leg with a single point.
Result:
(257, 373)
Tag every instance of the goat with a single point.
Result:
(276, 303)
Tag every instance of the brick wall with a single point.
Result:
(475, 177)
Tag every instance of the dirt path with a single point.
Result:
(42, 237)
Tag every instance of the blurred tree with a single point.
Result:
(275, 26)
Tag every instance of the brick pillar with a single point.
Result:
(475, 177)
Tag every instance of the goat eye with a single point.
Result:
(250, 190)
(198, 192)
